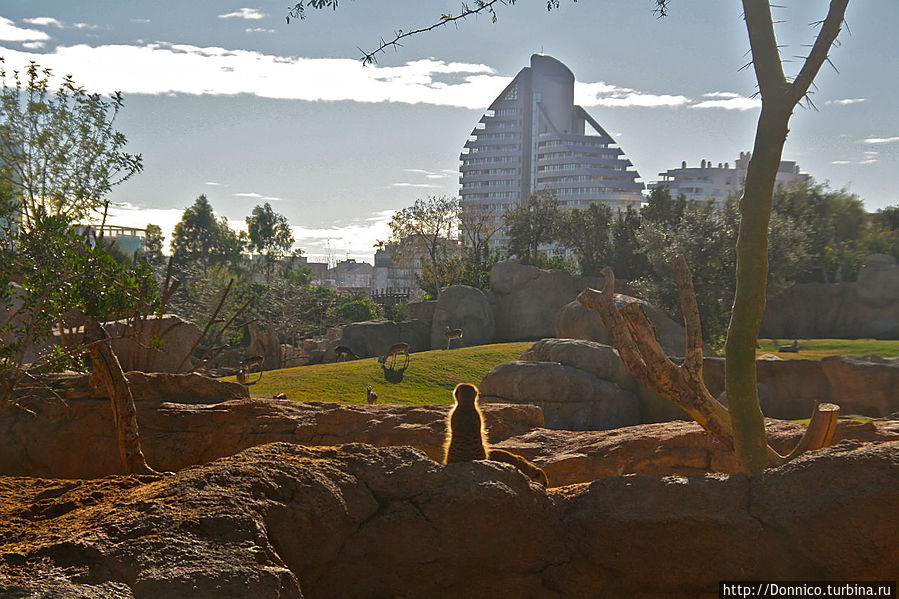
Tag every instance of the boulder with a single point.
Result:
(575, 321)
(371, 337)
(878, 281)
(422, 310)
(526, 299)
(466, 308)
(179, 430)
(286, 521)
(598, 359)
(866, 385)
(264, 342)
(417, 333)
(571, 398)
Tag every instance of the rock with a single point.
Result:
(598, 359)
(177, 431)
(866, 308)
(526, 299)
(866, 385)
(285, 521)
(370, 338)
(578, 322)
(264, 342)
(571, 398)
(878, 281)
(135, 349)
(466, 308)
(417, 333)
(422, 310)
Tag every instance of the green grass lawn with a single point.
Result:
(429, 378)
(816, 349)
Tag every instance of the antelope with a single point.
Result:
(344, 353)
(451, 334)
(793, 348)
(246, 366)
(371, 396)
(395, 349)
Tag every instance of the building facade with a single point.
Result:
(707, 183)
(533, 137)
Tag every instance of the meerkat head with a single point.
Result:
(465, 393)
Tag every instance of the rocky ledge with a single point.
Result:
(287, 521)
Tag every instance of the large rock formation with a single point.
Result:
(865, 385)
(526, 299)
(285, 521)
(866, 308)
(466, 308)
(374, 337)
(581, 385)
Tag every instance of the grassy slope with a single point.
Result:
(429, 379)
(816, 349)
(431, 375)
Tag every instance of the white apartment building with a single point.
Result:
(716, 183)
(533, 137)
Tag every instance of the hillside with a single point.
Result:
(428, 379)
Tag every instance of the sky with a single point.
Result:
(225, 98)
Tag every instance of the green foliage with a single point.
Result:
(588, 233)
(532, 224)
(833, 222)
(153, 246)
(201, 240)
(706, 235)
(59, 152)
(269, 235)
(627, 261)
(423, 234)
(477, 225)
(429, 379)
(358, 310)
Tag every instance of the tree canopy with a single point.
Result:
(200, 239)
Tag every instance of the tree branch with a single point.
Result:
(830, 29)
(765, 57)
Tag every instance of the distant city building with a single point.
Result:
(389, 279)
(350, 275)
(709, 183)
(533, 137)
(129, 239)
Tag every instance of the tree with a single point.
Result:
(59, 151)
(531, 224)
(743, 427)
(627, 258)
(425, 232)
(269, 234)
(588, 233)
(202, 239)
(478, 224)
(153, 241)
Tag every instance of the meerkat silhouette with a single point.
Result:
(467, 441)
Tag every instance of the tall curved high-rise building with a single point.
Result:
(534, 137)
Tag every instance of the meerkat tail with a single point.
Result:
(529, 469)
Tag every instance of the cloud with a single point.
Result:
(143, 21)
(258, 30)
(605, 94)
(84, 26)
(846, 101)
(258, 196)
(841, 162)
(355, 239)
(442, 174)
(244, 13)
(417, 185)
(880, 140)
(728, 101)
(33, 45)
(43, 21)
(215, 184)
(9, 32)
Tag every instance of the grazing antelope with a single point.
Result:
(395, 349)
(451, 334)
(344, 353)
(246, 367)
(371, 396)
(793, 348)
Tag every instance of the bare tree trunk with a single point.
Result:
(779, 98)
(108, 372)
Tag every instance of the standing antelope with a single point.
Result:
(451, 334)
(246, 366)
(343, 353)
(371, 396)
(395, 349)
